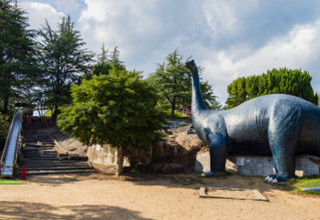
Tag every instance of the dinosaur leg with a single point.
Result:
(284, 130)
(218, 152)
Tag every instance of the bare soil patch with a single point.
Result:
(100, 196)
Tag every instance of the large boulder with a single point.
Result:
(175, 152)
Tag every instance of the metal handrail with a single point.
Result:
(175, 127)
(4, 152)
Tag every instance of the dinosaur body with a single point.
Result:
(281, 125)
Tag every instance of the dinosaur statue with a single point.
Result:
(281, 125)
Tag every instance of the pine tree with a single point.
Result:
(18, 68)
(173, 80)
(106, 63)
(63, 62)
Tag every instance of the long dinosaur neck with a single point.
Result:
(197, 101)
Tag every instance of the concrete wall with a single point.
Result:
(249, 165)
(105, 155)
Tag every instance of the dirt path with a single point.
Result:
(100, 196)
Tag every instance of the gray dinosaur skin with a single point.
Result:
(281, 125)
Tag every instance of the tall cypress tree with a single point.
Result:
(17, 63)
(63, 62)
(277, 81)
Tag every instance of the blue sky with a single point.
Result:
(230, 39)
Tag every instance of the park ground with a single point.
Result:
(101, 196)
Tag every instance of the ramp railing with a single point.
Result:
(173, 127)
(11, 148)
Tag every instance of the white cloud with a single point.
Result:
(295, 50)
(38, 12)
(229, 38)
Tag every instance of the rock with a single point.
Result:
(166, 168)
(155, 167)
(64, 158)
(181, 149)
(63, 155)
(134, 170)
(77, 157)
(72, 148)
(172, 168)
(73, 157)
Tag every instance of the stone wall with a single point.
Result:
(105, 156)
(251, 165)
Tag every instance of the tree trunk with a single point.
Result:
(5, 105)
(119, 161)
(173, 107)
(55, 115)
(132, 154)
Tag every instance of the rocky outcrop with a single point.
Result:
(175, 154)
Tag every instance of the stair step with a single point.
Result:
(57, 168)
(41, 157)
(37, 153)
(52, 162)
(37, 158)
(55, 165)
(44, 158)
(37, 149)
(30, 158)
(38, 146)
(35, 172)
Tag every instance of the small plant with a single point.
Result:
(3, 130)
(295, 185)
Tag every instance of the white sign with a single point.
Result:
(241, 161)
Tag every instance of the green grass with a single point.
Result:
(11, 182)
(177, 114)
(295, 185)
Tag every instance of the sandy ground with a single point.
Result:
(99, 196)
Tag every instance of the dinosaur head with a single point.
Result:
(191, 65)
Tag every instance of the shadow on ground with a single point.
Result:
(193, 180)
(25, 210)
(57, 180)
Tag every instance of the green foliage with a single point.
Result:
(17, 64)
(3, 130)
(11, 182)
(106, 63)
(173, 80)
(118, 109)
(276, 81)
(48, 113)
(177, 114)
(63, 62)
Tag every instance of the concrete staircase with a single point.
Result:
(40, 157)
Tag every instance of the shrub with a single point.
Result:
(3, 130)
